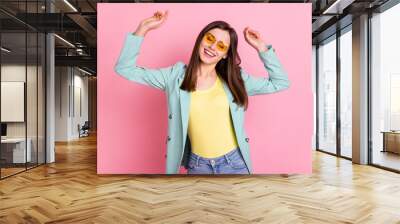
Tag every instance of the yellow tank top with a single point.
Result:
(210, 127)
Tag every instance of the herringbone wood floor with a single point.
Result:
(70, 191)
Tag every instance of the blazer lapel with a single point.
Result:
(184, 97)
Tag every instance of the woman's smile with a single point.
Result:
(209, 53)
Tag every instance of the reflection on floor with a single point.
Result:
(10, 171)
(386, 159)
(13, 169)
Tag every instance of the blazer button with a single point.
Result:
(170, 116)
(247, 139)
(169, 138)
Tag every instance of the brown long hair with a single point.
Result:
(228, 68)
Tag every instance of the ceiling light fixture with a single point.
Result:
(84, 71)
(70, 5)
(5, 49)
(64, 40)
(329, 9)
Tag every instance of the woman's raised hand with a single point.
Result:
(253, 38)
(151, 23)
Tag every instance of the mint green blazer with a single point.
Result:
(169, 80)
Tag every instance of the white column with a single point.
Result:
(360, 90)
(50, 100)
(50, 91)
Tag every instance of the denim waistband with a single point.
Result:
(220, 159)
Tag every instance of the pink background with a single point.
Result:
(132, 118)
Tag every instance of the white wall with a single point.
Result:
(71, 92)
(16, 72)
(33, 127)
(61, 103)
(81, 84)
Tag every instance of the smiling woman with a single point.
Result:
(209, 38)
(207, 111)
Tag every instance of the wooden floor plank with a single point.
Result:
(70, 191)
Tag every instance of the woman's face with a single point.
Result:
(214, 46)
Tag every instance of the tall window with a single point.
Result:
(346, 92)
(385, 81)
(314, 86)
(327, 96)
(395, 101)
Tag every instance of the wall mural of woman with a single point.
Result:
(208, 97)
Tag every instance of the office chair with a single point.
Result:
(84, 130)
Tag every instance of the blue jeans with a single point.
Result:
(230, 163)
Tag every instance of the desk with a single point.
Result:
(17, 153)
(391, 141)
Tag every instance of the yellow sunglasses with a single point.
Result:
(210, 39)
